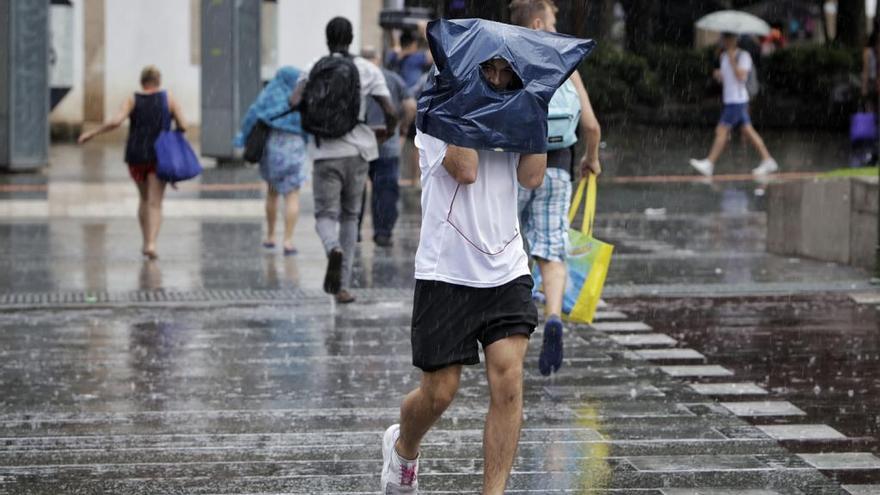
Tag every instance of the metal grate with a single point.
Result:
(196, 296)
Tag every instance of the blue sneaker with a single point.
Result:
(551, 351)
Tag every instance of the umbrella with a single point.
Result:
(734, 21)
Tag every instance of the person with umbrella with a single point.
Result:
(733, 74)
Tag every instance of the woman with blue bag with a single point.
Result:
(272, 135)
(149, 112)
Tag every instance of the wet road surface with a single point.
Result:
(222, 368)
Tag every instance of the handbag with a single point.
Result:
(175, 159)
(255, 143)
(863, 127)
(587, 259)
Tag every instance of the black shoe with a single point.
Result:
(383, 241)
(333, 278)
(344, 297)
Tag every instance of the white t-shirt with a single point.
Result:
(735, 91)
(470, 233)
(361, 140)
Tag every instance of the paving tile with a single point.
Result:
(622, 326)
(842, 461)
(802, 432)
(632, 356)
(669, 354)
(862, 489)
(716, 491)
(867, 298)
(745, 388)
(609, 315)
(603, 391)
(697, 463)
(763, 408)
(643, 339)
(696, 370)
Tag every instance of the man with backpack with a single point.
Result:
(332, 99)
(544, 210)
(736, 75)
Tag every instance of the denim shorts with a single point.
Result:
(735, 115)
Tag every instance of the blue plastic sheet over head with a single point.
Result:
(460, 107)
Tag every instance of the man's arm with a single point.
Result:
(741, 74)
(408, 112)
(390, 112)
(531, 168)
(461, 163)
(590, 128)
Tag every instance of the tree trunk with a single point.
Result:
(851, 23)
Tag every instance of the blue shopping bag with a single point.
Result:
(863, 127)
(175, 158)
(459, 107)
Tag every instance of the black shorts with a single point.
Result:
(448, 320)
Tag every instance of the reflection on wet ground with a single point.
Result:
(709, 236)
(293, 399)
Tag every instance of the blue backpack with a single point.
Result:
(563, 116)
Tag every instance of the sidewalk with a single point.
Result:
(222, 368)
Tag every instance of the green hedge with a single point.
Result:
(809, 73)
(618, 80)
(685, 76)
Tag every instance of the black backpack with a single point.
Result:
(331, 101)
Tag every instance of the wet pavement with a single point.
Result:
(715, 368)
(820, 353)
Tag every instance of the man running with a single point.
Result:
(472, 287)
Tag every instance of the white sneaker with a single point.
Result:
(767, 166)
(399, 476)
(704, 167)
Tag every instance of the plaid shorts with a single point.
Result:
(543, 215)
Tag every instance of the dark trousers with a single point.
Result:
(384, 174)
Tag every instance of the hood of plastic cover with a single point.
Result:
(459, 106)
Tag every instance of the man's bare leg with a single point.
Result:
(755, 138)
(504, 369)
(422, 407)
(722, 134)
(553, 281)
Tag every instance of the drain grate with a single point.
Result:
(196, 296)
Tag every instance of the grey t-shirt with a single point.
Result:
(376, 117)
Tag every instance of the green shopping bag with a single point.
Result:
(587, 259)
